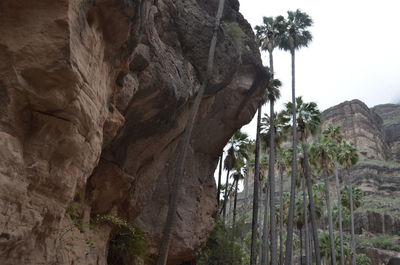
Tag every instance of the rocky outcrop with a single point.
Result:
(94, 98)
(390, 114)
(376, 223)
(360, 125)
(377, 256)
(376, 177)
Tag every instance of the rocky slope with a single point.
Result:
(362, 126)
(390, 113)
(94, 98)
(376, 134)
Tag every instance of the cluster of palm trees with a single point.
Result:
(313, 156)
(320, 157)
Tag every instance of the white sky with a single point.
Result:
(355, 52)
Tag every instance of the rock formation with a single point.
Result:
(94, 97)
(377, 136)
(360, 125)
(390, 113)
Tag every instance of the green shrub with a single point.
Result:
(222, 249)
(385, 242)
(235, 31)
(126, 242)
(76, 217)
(362, 259)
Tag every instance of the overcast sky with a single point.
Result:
(355, 52)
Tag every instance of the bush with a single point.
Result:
(236, 32)
(362, 259)
(385, 242)
(222, 249)
(127, 242)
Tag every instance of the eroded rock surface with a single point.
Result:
(390, 114)
(94, 98)
(362, 126)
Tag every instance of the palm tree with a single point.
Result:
(272, 94)
(254, 226)
(237, 153)
(295, 37)
(334, 133)
(184, 145)
(308, 119)
(269, 36)
(229, 164)
(323, 154)
(348, 157)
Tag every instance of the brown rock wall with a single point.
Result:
(95, 96)
(360, 125)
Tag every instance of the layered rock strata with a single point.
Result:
(390, 114)
(94, 98)
(362, 126)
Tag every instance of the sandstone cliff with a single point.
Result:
(362, 126)
(376, 134)
(390, 114)
(94, 98)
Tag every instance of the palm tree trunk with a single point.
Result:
(289, 240)
(225, 196)
(254, 224)
(265, 247)
(234, 208)
(219, 179)
(274, 260)
(353, 239)
(184, 146)
(309, 246)
(301, 246)
(306, 232)
(330, 222)
(340, 214)
(312, 206)
(281, 220)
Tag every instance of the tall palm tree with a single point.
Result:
(308, 118)
(184, 145)
(254, 225)
(323, 154)
(334, 133)
(273, 94)
(269, 35)
(295, 37)
(348, 157)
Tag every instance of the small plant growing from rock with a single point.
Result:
(127, 241)
(234, 30)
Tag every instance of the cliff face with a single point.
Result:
(390, 114)
(362, 126)
(94, 98)
(376, 132)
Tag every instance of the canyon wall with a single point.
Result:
(94, 98)
(360, 125)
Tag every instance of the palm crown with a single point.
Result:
(296, 35)
(270, 33)
(308, 117)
